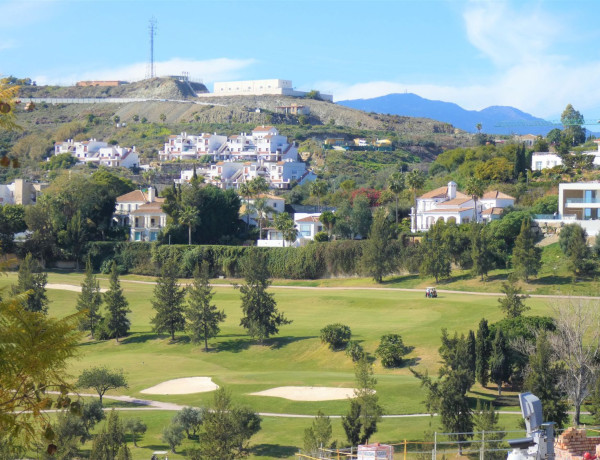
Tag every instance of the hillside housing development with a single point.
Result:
(547, 160)
(228, 162)
(99, 153)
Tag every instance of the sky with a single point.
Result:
(537, 56)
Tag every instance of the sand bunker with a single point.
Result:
(67, 287)
(308, 393)
(183, 386)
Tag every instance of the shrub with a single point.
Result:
(336, 335)
(391, 349)
(321, 237)
(354, 350)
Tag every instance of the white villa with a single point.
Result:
(447, 203)
(546, 160)
(99, 153)
(237, 159)
(276, 203)
(142, 211)
(307, 224)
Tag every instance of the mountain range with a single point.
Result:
(494, 119)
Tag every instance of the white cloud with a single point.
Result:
(528, 74)
(208, 71)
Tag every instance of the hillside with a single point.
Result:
(491, 118)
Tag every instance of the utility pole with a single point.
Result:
(152, 28)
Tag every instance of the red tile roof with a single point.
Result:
(495, 194)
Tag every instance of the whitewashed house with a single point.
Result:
(547, 160)
(307, 225)
(142, 212)
(99, 153)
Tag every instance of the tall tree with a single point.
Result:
(543, 380)
(415, 179)
(500, 369)
(361, 217)
(489, 432)
(482, 253)
(318, 189)
(327, 218)
(576, 343)
(573, 122)
(482, 351)
(203, 318)
(74, 237)
(168, 301)
(573, 242)
(32, 282)
(472, 352)
(285, 224)
(512, 303)
(378, 255)
(396, 185)
(263, 210)
(435, 253)
(520, 168)
(89, 300)
(261, 318)
(475, 188)
(102, 379)
(318, 434)
(526, 257)
(117, 324)
(189, 217)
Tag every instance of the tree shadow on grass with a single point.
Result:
(273, 450)
(400, 279)
(552, 280)
(235, 345)
(278, 342)
(139, 338)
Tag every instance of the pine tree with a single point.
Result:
(482, 352)
(485, 424)
(318, 434)
(472, 352)
(203, 318)
(481, 250)
(512, 302)
(520, 168)
(117, 307)
(168, 301)
(261, 318)
(500, 368)
(526, 257)
(89, 300)
(33, 282)
(435, 256)
(378, 256)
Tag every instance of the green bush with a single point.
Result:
(321, 237)
(336, 336)
(391, 349)
(354, 350)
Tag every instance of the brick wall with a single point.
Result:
(573, 443)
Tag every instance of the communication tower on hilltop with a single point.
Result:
(152, 28)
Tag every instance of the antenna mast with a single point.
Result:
(152, 28)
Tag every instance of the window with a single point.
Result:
(305, 229)
(138, 236)
(153, 236)
(538, 165)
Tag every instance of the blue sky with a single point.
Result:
(534, 55)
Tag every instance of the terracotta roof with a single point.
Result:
(456, 201)
(446, 210)
(149, 207)
(309, 219)
(272, 197)
(440, 192)
(495, 194)
(135, 196)
(492, 211)
(263, 128)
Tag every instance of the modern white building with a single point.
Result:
(259, 88)
(447, 203)
(142, 212)
(546, 160)
(99, 153)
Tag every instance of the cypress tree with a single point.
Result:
(378, 257)
(203, 318)
(117, 307)
(526, 258)
(482, 352)
(168, 301)
(33, 281)
(499, 363)
(472, 352)
(89, 300)
(481, 251)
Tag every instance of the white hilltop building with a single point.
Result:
(228, 162)
(546, 160)
(99, 153)
(259, 88)
(447, 203)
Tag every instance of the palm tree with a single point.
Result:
(258, 185)
(396, 185)
(478, 127)
(328, 219)
(189, 216)
(415, 180)
(475, 189)
(318, 188)
(262, 209)
(285, 224)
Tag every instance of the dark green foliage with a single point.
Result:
(572, 122)
(32, 282)
(546, 204)
(573, 242)
(318, 434)
(512, 303)
(101, 379)
(482, 254)
(543, 380)
(261, 318)
(116, 323)
(354, 350)
(352, 424)
(168, 301)
(435, 256)
(336, 336)
(520, 166)
(500, 369)
(526, 257)
(136, 427)
(472, 351)
(12, 220)
(203, 318)
(504, 233)
(227, 429)
(108, 442)
(89, 300)
(485, 419)
(482, 351)
(391, 349)
(173, 435)
(378, 258)
(92, 414)
(190, 419)
(69, 434)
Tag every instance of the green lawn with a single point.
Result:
(295, 356)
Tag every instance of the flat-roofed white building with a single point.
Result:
(273, 86)
(546, 160)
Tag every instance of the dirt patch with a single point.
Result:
(308, 393)
(184, 386)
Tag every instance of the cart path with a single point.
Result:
(376, 288)
(147, 404)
